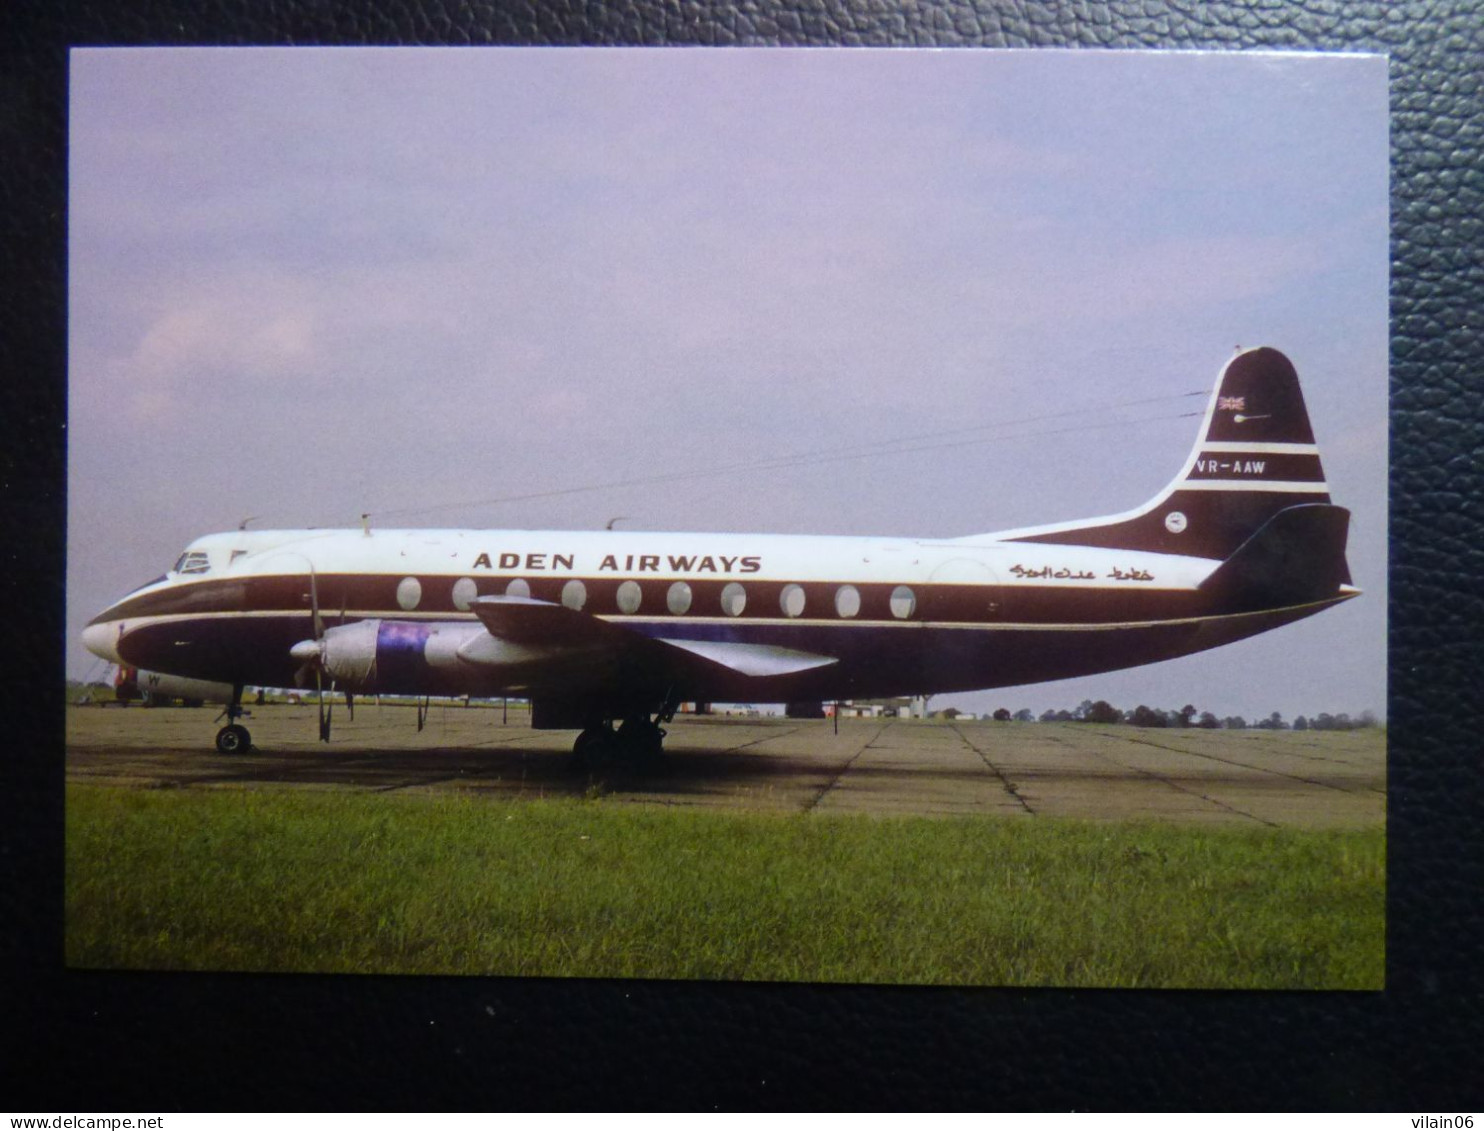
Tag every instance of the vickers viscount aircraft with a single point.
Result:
(607, 632)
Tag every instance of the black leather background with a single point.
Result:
(78, 1041)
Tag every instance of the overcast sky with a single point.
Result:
(308, 283)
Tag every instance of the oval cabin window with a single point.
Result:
(678, 598)
(791, 600)
(847, 600)
(464, 592)
(409, 593)
(903, 602)
(630, 596)
(733, 599)
(574, 595)
(520, 587)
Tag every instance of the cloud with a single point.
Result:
(262, 343)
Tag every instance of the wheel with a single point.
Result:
(595, 748)
(233, 739)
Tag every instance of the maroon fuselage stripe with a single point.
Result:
(1132, 598)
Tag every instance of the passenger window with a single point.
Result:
(678, 598)
(464, 592)
(733, 599)
(574, 595)
(903, 602)
(518, 588)
(791, 600)
(847, 600)
(409, 593)
(630, 596)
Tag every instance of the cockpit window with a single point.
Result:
(193, 561)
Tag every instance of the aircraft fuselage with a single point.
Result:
(900, 616)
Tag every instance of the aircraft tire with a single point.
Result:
(595, 748)
(233, 739)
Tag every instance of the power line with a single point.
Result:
(890, 447)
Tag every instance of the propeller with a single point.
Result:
(350, 702)
(311, 655)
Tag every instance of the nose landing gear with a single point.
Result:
(234, 737)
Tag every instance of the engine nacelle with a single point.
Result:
(387, 655)
(411, 657)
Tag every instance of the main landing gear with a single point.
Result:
(636, 743)
(234, 737)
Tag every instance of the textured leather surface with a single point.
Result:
(150, 1042)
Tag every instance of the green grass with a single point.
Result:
(302, 881)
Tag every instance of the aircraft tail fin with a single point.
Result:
(1255, 458)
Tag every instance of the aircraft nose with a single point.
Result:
(100, 639)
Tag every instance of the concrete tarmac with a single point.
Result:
(1305, 779)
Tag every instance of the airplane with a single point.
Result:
(608, 632)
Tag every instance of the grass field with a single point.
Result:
(356, 882)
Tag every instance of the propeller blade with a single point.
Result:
(324, 714)
(350, 705)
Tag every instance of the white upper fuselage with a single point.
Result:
(238, 602)
(664, 556)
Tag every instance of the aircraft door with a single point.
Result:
(964, 590)
(299, 574)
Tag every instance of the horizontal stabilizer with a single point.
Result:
(1296, 558)
(753, 659)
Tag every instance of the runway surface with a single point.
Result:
(883, 766)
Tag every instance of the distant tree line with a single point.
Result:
(1102, 711)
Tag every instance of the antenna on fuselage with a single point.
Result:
(250, 518)
(616, 518)
(366, 524)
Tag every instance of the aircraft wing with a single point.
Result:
(751, 659)
(535, 628)
(525, 620)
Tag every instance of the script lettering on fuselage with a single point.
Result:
(1058, 573)
(1066, 573)
(623, 563)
